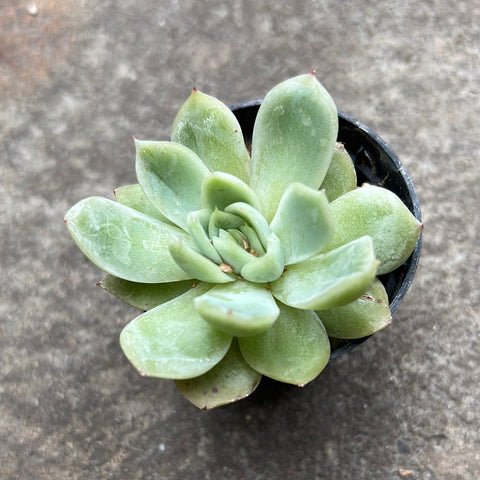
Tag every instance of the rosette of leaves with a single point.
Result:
(244, 264)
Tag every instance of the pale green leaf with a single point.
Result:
(293, 139)
(255, 246)
(209, 128)
(197, 225)
(379, 213)
(231, 252)
(294, 350)
(303, 222)
(171, 176)
(124, 242)
(221, 189)
(328, 280)
(220, 220)
(268, 267)
(173, 340)
(253, 218)
(341, 176)
(230, 380)
(195, 264)
(145, 296)
(366, 315)
(238, 308)
(134, 197)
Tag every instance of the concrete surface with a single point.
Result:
(77, 80)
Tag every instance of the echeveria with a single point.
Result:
(244, 265)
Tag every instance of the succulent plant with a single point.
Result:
(245, 264)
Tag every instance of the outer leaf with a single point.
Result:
(173, 341)
(171, 176)
(377, 212)
(196, 265)
(303, 222)
(221, 189)
(293, 139)
(145, 296)
(364, 316)
(294, 350)
(209, 128)
(134, 197)
(341, 176)
(239, 308)
(230, 380)
(329, 280)
(268, 267)
(124, 242)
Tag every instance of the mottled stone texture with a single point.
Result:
(77, 80)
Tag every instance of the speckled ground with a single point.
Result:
(77, 80)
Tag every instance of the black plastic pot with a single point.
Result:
(377, 164)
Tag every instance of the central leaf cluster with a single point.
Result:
(231, 236)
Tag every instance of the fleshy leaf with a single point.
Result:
(197, 225)
(268, 267)
(145, 296)
(341, 176)
(328, 280)
(294, 350)
(303, 222)
(124, 242)
(173, 340)
(255, 246)
(221, 189)
(239, 308)
(230, 380)
(195, 264)
(134, 197)
(253, 218)
(222, 220)
(366, 315)
(293, 139)
(377, 212)
(231, 252)
(171, 176)
(209, 128)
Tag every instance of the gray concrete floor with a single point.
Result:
(77, 80)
